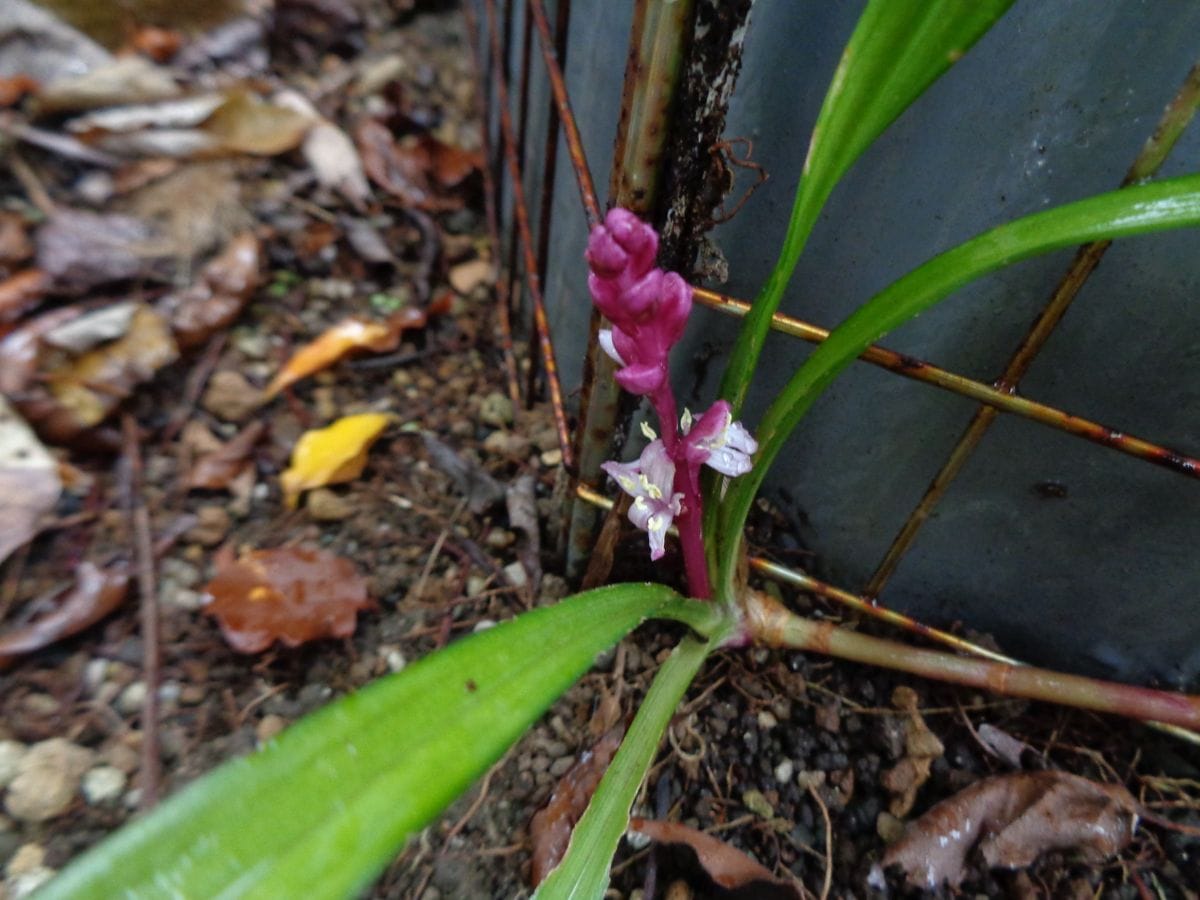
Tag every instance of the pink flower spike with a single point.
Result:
(636, 238)
(650, 482)
(604, 255)
(718, 442)
(641, 379)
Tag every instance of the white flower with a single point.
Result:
(718, 441)
(650, 482)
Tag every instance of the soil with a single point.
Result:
(779, 753)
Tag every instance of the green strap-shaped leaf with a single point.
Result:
(583, 872)
(325, 806)
(1141, 209)
(898, 49)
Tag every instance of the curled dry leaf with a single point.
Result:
(331, 455)
(1013, 819)
(290, 594)
(550, 827)
(921, 748)
(349, 335)
(90, 386)
(215, 470)
(727, 866)
(473, 482)
(217, 298)
(95, 594)
(29, 482)
(245, 123)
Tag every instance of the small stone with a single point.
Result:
(269, 726)
(121, 756)
(499, 538)
(807, 778)
(27, 858)
(507, 443)
(11, 754)
(324, 403)
(476, 585)
(94, 674)
(888, 827)
(467, 276)
(784, 771)
(552, 458)
(496, 409)
(212, 524)
(46, 781)
(230, 397)
(326, 506)
(829, 717)
(103, 784)
(559, 767)
(394, 658)
(766, 720)
(131, 700)
(757, 804)
(516, 575)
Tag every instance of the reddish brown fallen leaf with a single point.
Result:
(95, 594)
(726, 865)
(22, 292)
(160, 44)
(550, 827)
(449, 165)
(219, 294)
(290, 594)
(19, 349)
(214, 471)
(15, 245)
(1013, 819)
(80, 250)
(349, 335)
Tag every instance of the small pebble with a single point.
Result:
(46, 781)
(229, 396)
(483, 625)
(766, 720)
(26, 871)
(326, 506)
(212, 524)
(476, 585)
(496, 409)
(131, 700)
(394, 658)
(515, 573)
(103, 784)
(888, 827)
(499, 538)
(552, 458)
(559, 767)
(269, 726)
(784, 771)
(11, 754)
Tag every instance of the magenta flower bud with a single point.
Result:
(643, 294)
(605, 256)
(637, 238)
(606, 293)
(641, 378)
(675, 305)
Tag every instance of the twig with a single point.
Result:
(828, 883)
(148, 601)
(436, 551)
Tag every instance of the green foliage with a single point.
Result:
(321, 810)
(898, 49)
(583, 873)
(1141, 209)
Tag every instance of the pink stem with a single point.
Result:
(689, 521)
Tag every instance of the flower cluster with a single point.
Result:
(648, 309)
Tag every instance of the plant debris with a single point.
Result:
(725, 865)
(290, 594)
(921, 748)
(550, 828)
(1013, 819)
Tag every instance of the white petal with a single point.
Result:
(729, 461)
(606, 344)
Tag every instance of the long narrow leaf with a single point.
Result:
(1141, 209)
(899, 48)
(323, 808)
(583, 872)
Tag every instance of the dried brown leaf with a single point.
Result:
(214, 471)
(219, 295)
(89, 387)
(15, 245)
(921, 748)
(550, 827)
(245, 123)
(727, 866)
(29, 482)
(290, 594)
(1013, 819)
(95, 594)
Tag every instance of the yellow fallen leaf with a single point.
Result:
(331, 455)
